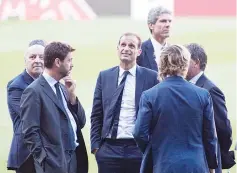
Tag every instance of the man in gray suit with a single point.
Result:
(52, 116)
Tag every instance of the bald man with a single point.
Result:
(19, 158)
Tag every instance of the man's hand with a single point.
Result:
(70, 85)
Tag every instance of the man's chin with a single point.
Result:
(166, 35)
(38, 70)
(125, 59)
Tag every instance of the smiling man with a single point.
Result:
(19, 157)
(115, 107)
(159, 23)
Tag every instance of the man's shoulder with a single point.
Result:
(146, 42)
(16, 82)
(108, 71)
(147, 71)
(209, 84)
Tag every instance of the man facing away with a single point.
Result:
(115, 107)
(52, 116)
(223, 127)
(19, 158)
(159, 23)
(175, 126)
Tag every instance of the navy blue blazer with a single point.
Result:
(176, 124)
(223, 126)
(18, 151)
(147, 57)
(104, 93)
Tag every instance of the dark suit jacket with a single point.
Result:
(18, 151)
(147, 57)
(223, 126)
(176, 124)
(45, 127)
(107, 82)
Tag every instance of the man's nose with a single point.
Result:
(38, 59)
(167, 24)
(126, 48)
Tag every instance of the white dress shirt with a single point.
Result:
(157, 49)
(195, 78)
(51, 81)
(127, 116)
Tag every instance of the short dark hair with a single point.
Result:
(132, 34)
(56, 50)
(198, 54)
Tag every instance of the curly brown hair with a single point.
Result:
(174, 61)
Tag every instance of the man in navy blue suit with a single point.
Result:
(19, 157)
(223, 127)
(115, 108)
(159, 22)
(175, 127)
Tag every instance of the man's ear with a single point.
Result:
(139, 52)
(151, 26)
(197, 62)
(57, 62)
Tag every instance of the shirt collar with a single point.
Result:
(195, 78)
(51, 81)
(29, 74)
(156, 44)
(132, 71)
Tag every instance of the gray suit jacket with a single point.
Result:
(45, 128)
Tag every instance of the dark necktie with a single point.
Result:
(118, 106)
(71, 133)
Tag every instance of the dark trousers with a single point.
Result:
(119, 156)
(27, 166)
(71, 165)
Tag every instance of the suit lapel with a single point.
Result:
(50, 93)
(150, 55)
(140, 80)
(113, 80)
(200, 82)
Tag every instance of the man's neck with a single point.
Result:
(160, 40)
(51, 73)
(195, 78)
(31, 75)
(127, 66)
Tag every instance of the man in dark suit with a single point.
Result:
(175, 126)
(115, 107)
(224, 131)
(52, 116)
(159, 23)
(19, 158)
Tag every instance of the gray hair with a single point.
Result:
(155, 12)
(37, 42)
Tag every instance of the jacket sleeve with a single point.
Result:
(96, 116)
(79, 111)
(223, 126)
(13, 100)
(143, 123)
(209, 134)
